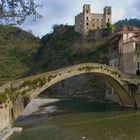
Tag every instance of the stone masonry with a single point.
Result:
(86, 21)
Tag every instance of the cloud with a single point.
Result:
(62, 12)
(133, 11)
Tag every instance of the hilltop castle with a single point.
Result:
(86, 20)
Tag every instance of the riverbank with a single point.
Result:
(34, 107)
(32, 112)
(37, 111)
(8, 132)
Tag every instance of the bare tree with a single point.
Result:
(16, 11)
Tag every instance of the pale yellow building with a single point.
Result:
(86, 20)
(125, 50)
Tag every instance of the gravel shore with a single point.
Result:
(34, 105)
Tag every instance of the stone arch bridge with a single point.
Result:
(15, 93)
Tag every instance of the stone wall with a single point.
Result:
(86, 85)
(18, 107)
(111, 95)
(5, 119)
(86, 21)
(9, 112)
(129, 63)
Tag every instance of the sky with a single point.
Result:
(64, 11)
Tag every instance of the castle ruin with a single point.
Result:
(86, 21)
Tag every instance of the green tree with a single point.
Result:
(130, 22)
(109, 29)
(16, 11)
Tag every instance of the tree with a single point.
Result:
(109, 29)
(16, 11)
(129, 22)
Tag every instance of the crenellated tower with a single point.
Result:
(87, 17)
(107, 15)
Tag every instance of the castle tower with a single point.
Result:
(87, 17)
(107, 15)
(86, 9)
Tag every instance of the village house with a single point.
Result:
(124, 51)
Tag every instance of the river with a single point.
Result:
(77, 119)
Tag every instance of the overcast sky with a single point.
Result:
(64, 11)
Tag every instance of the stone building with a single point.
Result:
(86, 20)
(124, 52)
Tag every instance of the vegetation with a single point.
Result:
(12, 93)
(27, 54)
(22, 54)
(131, 22)
(109, 29)
(65, 47)
(34, 83)
(51, 77)
(16, 11)
(7, 94)
(17, 49)
(86, 68)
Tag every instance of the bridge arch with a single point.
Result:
(111, 75)
(18, 93)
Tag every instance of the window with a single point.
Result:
(87, 18)
(93, 25)
(138, 54)
(87, 11)
(108, 20)
(138, 64)
(108, 13)
(137, 46)
(87, 23)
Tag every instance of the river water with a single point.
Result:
(77, 119)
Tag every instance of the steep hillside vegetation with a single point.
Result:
(17, 48)
(21, 53)
(65, 47)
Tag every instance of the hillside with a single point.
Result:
(130, 22)
(17, 48)
(23, 54)
(65, 47)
